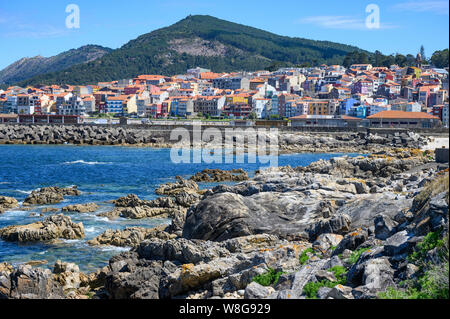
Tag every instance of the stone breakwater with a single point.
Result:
(344, 226)
(288, 141)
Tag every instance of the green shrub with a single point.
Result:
(340, 273)
(311, 288)
(356, 254)
(304, 256)
(268, 278)
(431, 241)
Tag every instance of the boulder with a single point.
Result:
(218, 175)
(129, 237)
(81, 208)
(50, 195)
(7, 203)
(351, 241)
(326, 241)
(181, 185)
(53, 227)
(384, 227)
(256, 291)
(227, 215)
(339, 224)
(26, 282)
(398, 244)
(340, 292)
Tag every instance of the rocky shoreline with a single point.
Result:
(288, 141)
(346, 228)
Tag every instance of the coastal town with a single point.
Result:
(327, 95)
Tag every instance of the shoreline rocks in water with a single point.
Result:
(181, 185)
(180, 196)
(218, 175)
(130, 236)
(288, 141)
(81, 208)
(50, 195)
(7, 203)
(53, 227)
(304, 226)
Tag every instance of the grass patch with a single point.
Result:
(434, 280)
(311, 288)
(304, 255)
(340, 273)
(356, 254)
(270, 277)
(431, 241)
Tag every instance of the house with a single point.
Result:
(237, 110)
(346, 105)
(122, 104)
(445, 116)
(185, 107)
(401, 119)
(363, 87)
(232, 83)
(211, 105)
(361, 67)
(318, 108)
(261, 106)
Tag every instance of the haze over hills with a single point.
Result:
(26, 68)
(203, 41)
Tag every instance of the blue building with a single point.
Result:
(346, 105)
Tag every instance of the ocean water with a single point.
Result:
(102, 173)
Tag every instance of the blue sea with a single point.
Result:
(102, 173)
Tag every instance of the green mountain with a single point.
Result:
(29, 67)
(203, 41)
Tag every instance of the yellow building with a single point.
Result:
(318, 108)
(238, 99)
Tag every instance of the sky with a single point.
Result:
(30, 28)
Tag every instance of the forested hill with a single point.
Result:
(203, 41)
(28, 67)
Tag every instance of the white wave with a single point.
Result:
(90, 229)
(86, 163)
(4, 183)
(114, 248)
(23, 192)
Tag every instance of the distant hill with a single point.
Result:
(29, 67)
(203, 41)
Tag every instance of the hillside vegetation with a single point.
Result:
(203, 41)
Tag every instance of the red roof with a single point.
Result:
(402, 115)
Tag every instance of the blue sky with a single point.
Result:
(30, 28)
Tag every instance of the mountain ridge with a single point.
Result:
(28, 67)
(199, 40)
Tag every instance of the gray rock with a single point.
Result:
(340, 292)
(384, 227)
(256, 291)
(323, 292)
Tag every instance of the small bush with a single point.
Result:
(340, 273)
(304, 256)
(431, 241)
(268, 278)
(356, 254)
(311, 288)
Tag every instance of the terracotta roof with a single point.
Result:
(401, 115)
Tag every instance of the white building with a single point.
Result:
(445, 116)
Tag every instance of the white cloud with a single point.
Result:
(341, 22)
(437, 7)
